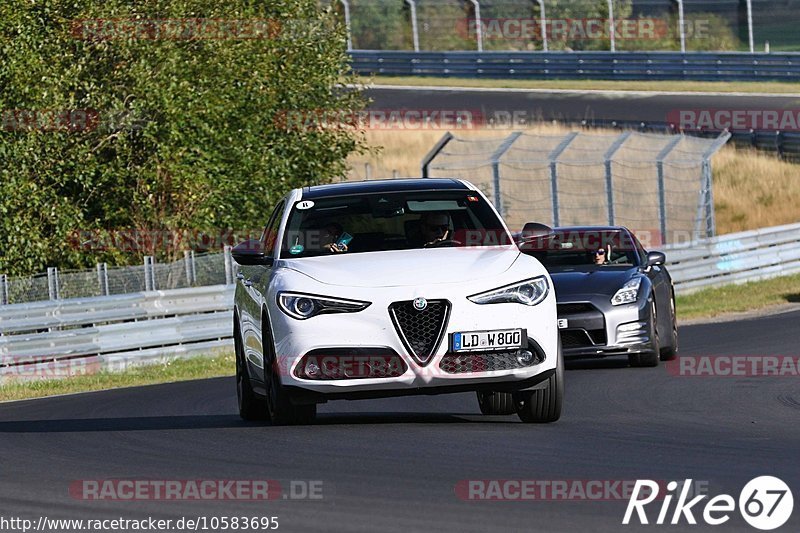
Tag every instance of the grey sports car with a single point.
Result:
(614, 297)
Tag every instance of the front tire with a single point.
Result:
(652, 356)
(282, 412)
(252, 407)
(542, 406)
(496, 403)
(671, 352)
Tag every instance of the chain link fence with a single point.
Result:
(554, 25)
(194, 270)
(657, 185)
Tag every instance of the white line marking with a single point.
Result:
(573, 91)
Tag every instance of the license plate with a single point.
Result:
(562, 323)
(501, 339)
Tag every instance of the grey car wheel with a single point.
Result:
(652, 356)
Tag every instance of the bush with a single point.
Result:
(179, 133)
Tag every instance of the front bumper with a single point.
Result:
(595, 328)
(372, 330)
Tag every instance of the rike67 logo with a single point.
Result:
(765, 503)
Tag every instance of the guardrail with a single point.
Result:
(700, 66)
(52, 339)
(735, 258)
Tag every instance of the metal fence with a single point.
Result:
(552, 25)
(698, 66)
(649, 182)
(194, 270)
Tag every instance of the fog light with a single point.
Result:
(312, 370)
(524, 357)
(631, 326)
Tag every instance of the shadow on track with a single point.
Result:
(156, 423)
(596, 364)
(142, 423)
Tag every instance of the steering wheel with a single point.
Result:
(445, 242)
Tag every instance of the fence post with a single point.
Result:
(662, 192)
(553, 158)
(616, 145)
(228, 266)
(149, 274)
(52, 283)
(495, 159)
(367, 171)
(438, 147)
(194, 267)
(414, 30)
(719, 142)
(3, 289)
(187, 265)
(102, 278)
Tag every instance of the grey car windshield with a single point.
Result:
(590, 248)
(394, 221)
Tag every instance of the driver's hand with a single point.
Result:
(445, 236)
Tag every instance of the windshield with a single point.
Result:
(394, 221)
(589, 248)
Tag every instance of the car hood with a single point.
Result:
(397, 268)
(570, 282)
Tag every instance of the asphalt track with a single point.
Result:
(571, 105)
(392, 465)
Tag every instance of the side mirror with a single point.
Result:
(534, 237)
(534, 230)
(250, 253)
(656, 258)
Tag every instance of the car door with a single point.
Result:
(661, 288)
(254, 281)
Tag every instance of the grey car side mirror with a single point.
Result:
(656, 258)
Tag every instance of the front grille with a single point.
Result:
(577, 338)
(420, 331)
(466, 363)
(573, 309)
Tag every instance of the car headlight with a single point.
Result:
(528, 292)
(302, 306)
(628, 293)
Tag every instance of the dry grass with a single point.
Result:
(754, 190)
(751, 189)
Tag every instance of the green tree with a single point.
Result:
(183, 132)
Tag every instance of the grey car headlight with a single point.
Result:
(628, 293)
(528, 292)
(302, 306)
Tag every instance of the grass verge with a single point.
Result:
(174, 370)
(751, 296)
(775, 87)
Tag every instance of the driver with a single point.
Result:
(435, 228)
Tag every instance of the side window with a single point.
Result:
(271, 231)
